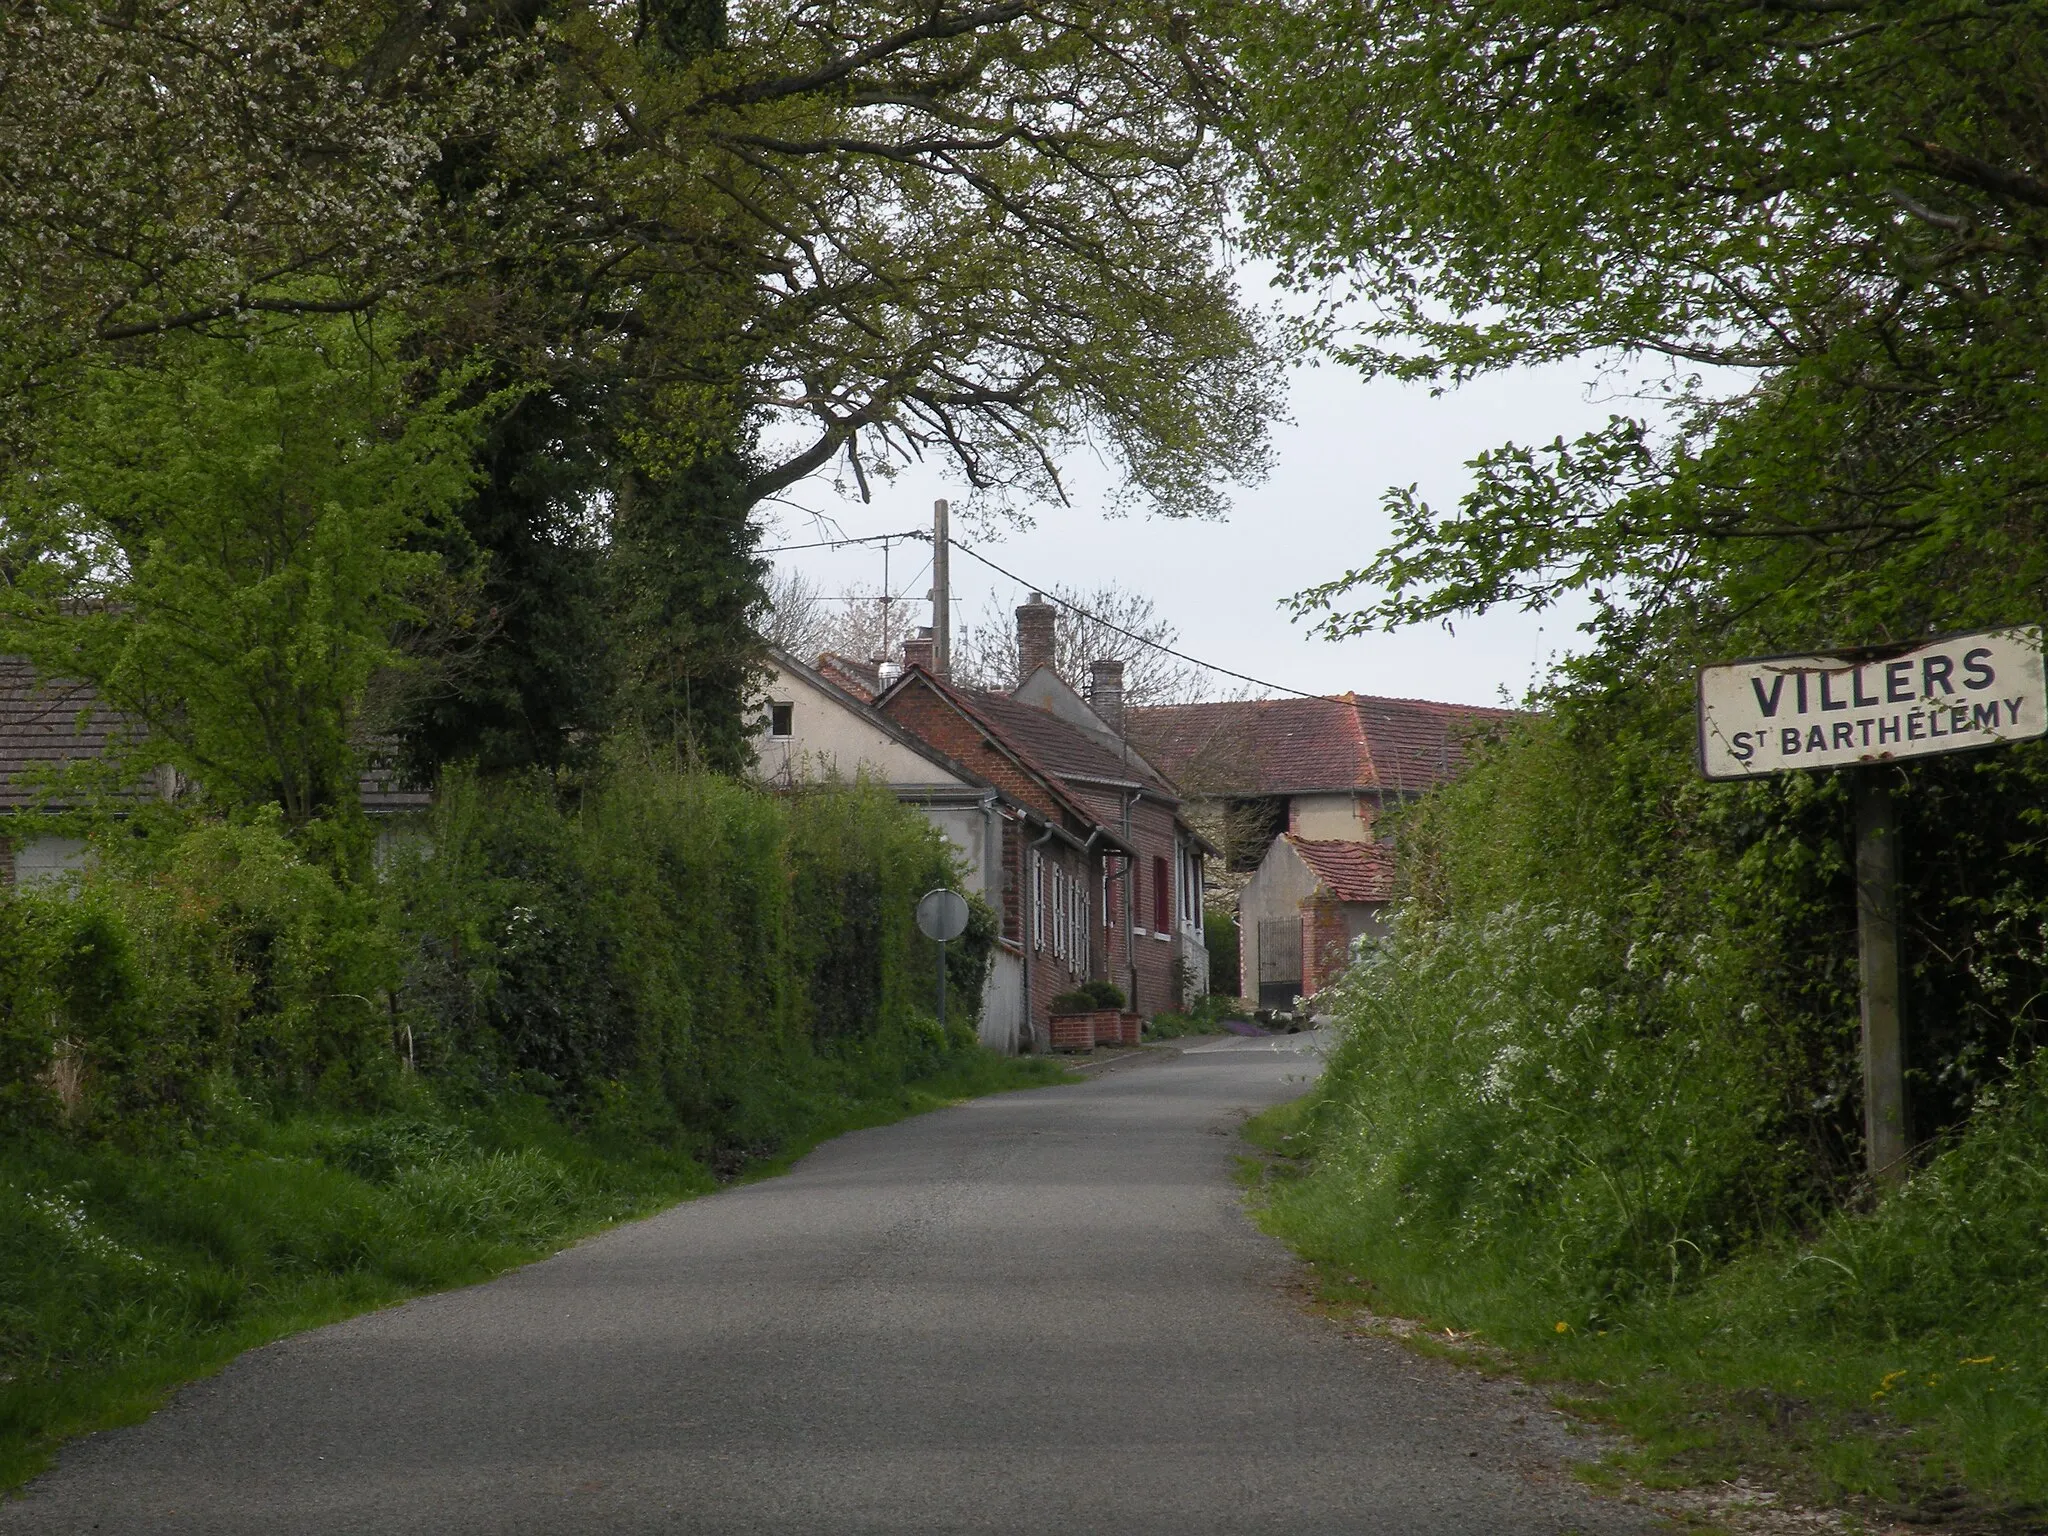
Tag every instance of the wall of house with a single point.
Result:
(1060, 955)
(1329, 929)
(1002, 1001)
(1274, 894)
(1155, 956)
(829, 740)
(1332, 818)
(968, 829)
(47, 861)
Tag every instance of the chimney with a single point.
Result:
(1034, 636)
(917, 651)
(1106, 692)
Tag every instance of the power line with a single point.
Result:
(925, 534)
(871, 538)
(1096, 618)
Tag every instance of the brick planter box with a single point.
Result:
(1100, 1026)
(1081, 1031)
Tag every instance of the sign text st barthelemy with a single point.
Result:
(1784, 713)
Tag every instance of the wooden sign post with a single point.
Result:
(1864, 710)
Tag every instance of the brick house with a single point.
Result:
(1027, 847)
(1288, 787)
(1099, 875)
(1299, 915)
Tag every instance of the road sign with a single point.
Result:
(942, 915)
(1782, 714)
(1863, 709)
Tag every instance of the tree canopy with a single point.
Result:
(674, 256)
(1846, 201)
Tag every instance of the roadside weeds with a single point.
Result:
(1746, 1462)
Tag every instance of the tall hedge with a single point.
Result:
(675, 955)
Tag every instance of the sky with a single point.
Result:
(1221, 585)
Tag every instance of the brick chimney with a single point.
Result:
(1034, 636)
(917, 651)
(1106, 692)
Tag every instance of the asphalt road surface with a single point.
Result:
(1042, 1312)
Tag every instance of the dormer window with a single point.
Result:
(781, 720)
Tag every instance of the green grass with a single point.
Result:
(125, 1273)
(1893, 1363)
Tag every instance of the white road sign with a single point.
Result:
(1783, 713)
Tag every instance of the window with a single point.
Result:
(1162, 897)
(1038, 901)
(1059, 913)
(781, 720)
(1080, 929)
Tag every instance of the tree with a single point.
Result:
(1844, 200)
(228, 540)
(983, 230)
(683, 238)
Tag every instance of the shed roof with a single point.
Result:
(1290, 746)
(1351, 871)
(50, 723)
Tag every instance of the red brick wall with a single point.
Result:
(1051, 973)
(1325, 945)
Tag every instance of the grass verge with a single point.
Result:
(1760, 1372)
(126, 1273)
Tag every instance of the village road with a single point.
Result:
(1037, 1313)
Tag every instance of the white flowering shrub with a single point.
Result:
(1528, 1085)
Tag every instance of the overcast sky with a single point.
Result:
(1221, 584)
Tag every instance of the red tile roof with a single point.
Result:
(1351, 871)
(862, 679)
(1290, 746)
(1065, 749)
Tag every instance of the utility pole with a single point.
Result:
(1877, 946)
(942, 591)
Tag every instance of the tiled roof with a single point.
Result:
(1352, 871)
(48, 724)
(1063, 748)
(862, 679)
(1289, 746)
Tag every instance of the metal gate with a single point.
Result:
(1279, 961)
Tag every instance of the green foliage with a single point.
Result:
(239, 523)
(1219, 936)
(522, 675)
(1088, 997)
(242, 1095)
(1513, 182)
(692, 601)
(1603, 1071)
(217, 965)
(1204, 1018)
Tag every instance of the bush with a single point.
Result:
(1089, 997)
(1219, 936)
